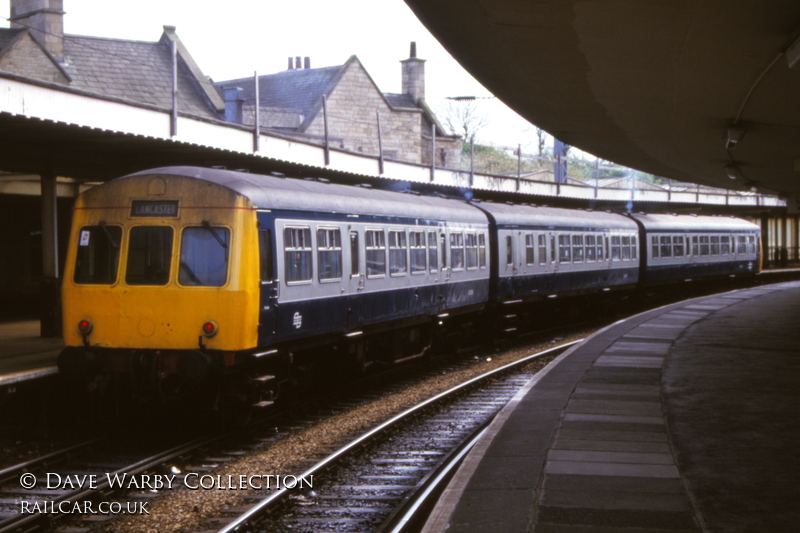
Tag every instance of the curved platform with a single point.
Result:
(24, 355)
(684, 418)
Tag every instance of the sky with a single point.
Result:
(234, 38)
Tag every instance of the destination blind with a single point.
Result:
(154, 208)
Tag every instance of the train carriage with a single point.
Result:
(688, 247)
(180, 274)
(543, 251)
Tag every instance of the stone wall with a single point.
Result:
(26, 58)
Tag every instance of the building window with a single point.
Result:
(98, 254)
(204, 257)
(149, 255)
(471, 242)
(397, 253)
(418, 249)
(457, 251)
(329, 253)
(376, 252)
(297, 250)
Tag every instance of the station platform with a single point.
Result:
(24, 354)
(684, 418)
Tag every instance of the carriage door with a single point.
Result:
(269, 286)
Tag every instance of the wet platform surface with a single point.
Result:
(24, 354)
(685, 418)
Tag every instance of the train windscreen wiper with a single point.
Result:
(214, 233)
(108, 234)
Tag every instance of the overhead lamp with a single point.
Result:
(732, 171)
(734, 135)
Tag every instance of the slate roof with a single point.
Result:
(140, 71)
(400, 100)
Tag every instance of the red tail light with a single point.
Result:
(85, 327)
(210, 328)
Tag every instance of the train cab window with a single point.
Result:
(149, 255)
(433, 260)
(577, 248)
(329, 254)
(677, 246)
(354, 259)
(418, 251)
(564, 255)
(715, 245)
(98, 254)
(397, 253)
(457, 251)
(666, 246)
(529, 255)
(751, 244)
(591, 249)
(509, 250)
(616, 255)
(204, 256)
(542, 242)
(264, 255)
(725, 245)
(376, 253)
(626, 248)
(298, 254)
(704, 248)
(471, 245)
(482, 250)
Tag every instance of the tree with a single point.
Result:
(463, 116)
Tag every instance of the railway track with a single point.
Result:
(381, 480)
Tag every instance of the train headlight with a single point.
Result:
(85, 327)
(210, 328)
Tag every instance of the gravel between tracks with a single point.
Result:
(186, 510)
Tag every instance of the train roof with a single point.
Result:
(528, 215)
(270, 192)
(693, 223)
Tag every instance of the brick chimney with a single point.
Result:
(45, 19)
(414, 75)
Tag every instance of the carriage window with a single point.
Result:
(677, 246)
(98, 254)
(509, 250)
(563, 249)
(552, 249)
(482, 250)
(615, 251)
(149, 255)
(654, 246)
(591, 249)
(695, 246)
(397, 253)
(204, 257)
(529, 249)
(715, 245)
(633, 247)
(666, 246)
(742, 245)
(457, 251)
(577, 248)
(471, 241)
(443, 243)
(600, 255)
(433, 261)
(626, 248)
(354, 259)
(418, 247)
(751, 244)
(297, 251)
(376, 252)
(542, 249)
(725, 245)
(329, 253)
(704, 248)
(264, 254)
